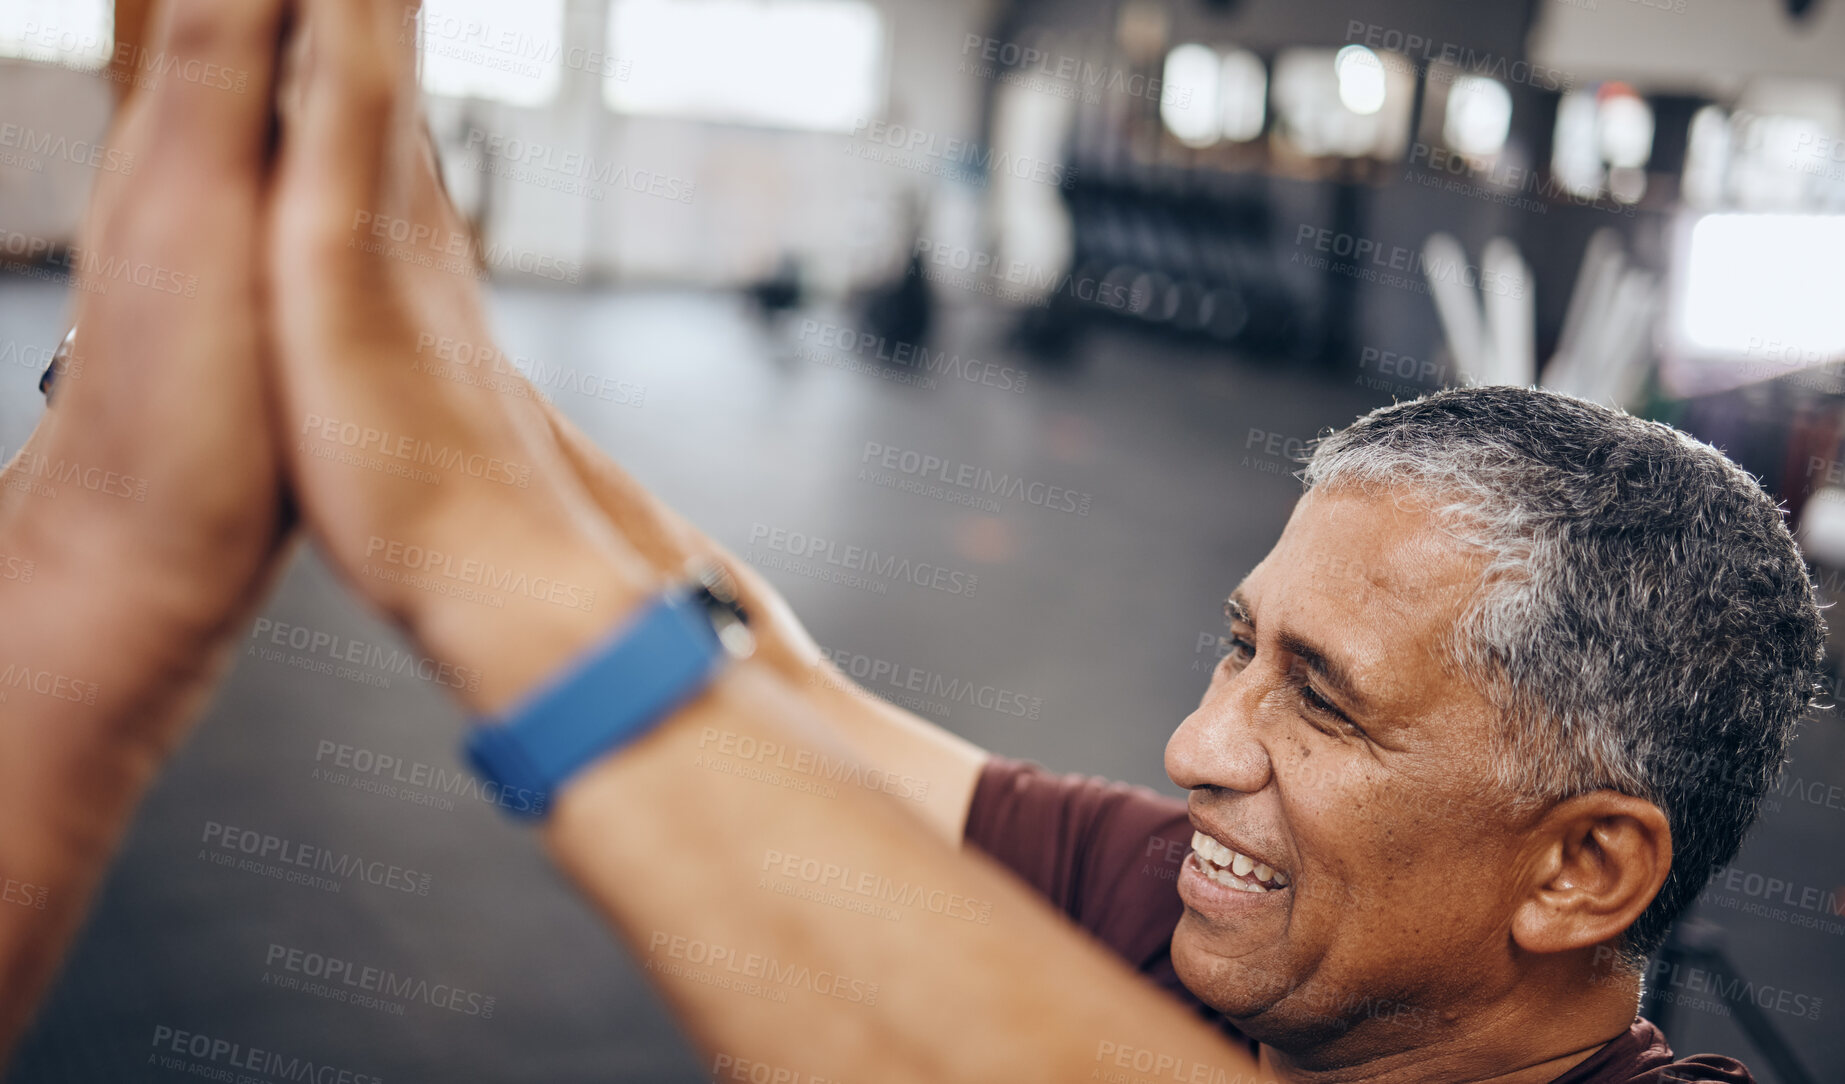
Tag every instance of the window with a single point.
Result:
(1478, 116)
(1243, 93)
(1602, 141)
(1354, 102)
(1191, 117)
(1764, 286)
(506, 52)
(75, 33)
(809, 64)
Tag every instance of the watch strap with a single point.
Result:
(611, 695)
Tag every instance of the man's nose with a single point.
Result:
(1220, 744)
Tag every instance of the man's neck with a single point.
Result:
(1529, 1041)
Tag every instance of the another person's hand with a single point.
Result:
(448, 504)
(152, 483)
(142, 520)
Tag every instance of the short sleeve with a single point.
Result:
(1106, 854)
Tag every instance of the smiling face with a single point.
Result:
(1334, 747)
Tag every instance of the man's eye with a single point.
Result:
(1238, 650)
(1326, 710)
(1314, 700)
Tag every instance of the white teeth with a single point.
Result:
(1219, 863)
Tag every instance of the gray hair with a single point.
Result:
(1645, 623)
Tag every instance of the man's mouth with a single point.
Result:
(1233, 869)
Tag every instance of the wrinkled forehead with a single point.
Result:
(1371, 575)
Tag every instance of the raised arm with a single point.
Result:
(819, 935)
(933, 768)
(140, 522)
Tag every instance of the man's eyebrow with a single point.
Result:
(1335, 674)
(1331, 670)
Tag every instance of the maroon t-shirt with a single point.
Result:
(1108, 854)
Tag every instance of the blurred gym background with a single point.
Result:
(804, 265)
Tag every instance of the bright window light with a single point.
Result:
(1189, 106)
(1478, 116)
(492, 49)
(1707, 157)
(810, 64)
(75, 33)
(1625, 123)
(1575, 155)
(1361, 79)
(1765, 285)
(1313, 92)
(1243, 92)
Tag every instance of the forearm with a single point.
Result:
(94, 689)
(923, 763)
(830, 934)
(815, 922)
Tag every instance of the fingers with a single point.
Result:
(360, 85)
(213, 104)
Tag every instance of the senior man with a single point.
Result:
(1515, 676)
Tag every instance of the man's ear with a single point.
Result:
(1598, 861)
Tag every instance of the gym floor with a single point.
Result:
(1094, 628)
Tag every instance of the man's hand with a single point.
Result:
(142, 520)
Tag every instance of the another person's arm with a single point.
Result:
(944, 968)
(141, 521)
(897, 743)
